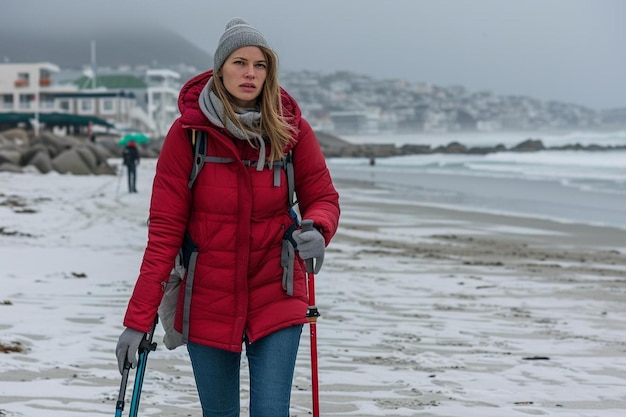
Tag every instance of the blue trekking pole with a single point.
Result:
(145, 347)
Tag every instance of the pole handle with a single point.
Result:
(307, 226)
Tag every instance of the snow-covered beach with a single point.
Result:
(426, 310)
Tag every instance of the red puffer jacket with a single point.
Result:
(237, 218)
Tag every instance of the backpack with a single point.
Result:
(130, 156)
(186, 258)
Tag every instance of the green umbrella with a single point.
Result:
(133, 137)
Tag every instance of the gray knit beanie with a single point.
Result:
(237, 35)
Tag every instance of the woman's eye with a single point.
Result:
(261, 65)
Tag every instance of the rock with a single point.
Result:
(12, 144)
(56, 144)
(29, 153)
(101, 153)
(10, 155)
(109, 144)
(452, 147)
(105, 169)
(327, 140)
(9, 167)
(4, 159)
(377, 151)
(415, 149)
(18, 136)
(41, 160)
(70, 161)
(529, 145)
(88, 157)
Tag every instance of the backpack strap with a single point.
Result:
(198, 145)
(199, 148)
(291, 181)
(189, 255)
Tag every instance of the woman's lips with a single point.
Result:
(248, 87)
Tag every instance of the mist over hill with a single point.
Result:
(120, 45)
(123, 42)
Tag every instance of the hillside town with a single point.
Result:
(350, 103)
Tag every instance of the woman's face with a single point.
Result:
(243, 75)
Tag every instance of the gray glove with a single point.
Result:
(127, 347)
(311, 245)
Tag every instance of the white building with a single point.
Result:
(22, 84)
(28, 90)
(162, 96)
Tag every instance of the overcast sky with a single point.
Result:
(567, 50)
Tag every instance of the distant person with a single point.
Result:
(130, 157)
(90, 133)
(249, 286)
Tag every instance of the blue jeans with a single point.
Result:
(132, 178)
(271, 362)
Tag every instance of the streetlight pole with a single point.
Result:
(37, 94)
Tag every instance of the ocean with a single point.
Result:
(586, 187)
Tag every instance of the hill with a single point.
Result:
(70, 46)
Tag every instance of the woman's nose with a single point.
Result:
(250, 71)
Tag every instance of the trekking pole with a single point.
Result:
(119, 179)
(119, 407)
(145, 347)
(312, 314)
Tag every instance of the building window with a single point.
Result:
(7, 101)
(27, 101)
(47, 101)
(22, 79)
(108, 106)
(45, 78)
(86, 106)
(64, 105)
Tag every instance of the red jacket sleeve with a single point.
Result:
(169, 210)
(316, 194)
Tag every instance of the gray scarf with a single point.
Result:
(213, 109)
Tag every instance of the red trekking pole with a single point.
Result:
(312, 314)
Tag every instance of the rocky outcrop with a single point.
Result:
(333, 146)
(20, 151)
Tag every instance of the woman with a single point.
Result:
(237, 216)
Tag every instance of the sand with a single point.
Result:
(426, 311)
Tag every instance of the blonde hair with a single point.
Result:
(273, 124)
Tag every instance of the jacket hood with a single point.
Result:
(192, 116)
